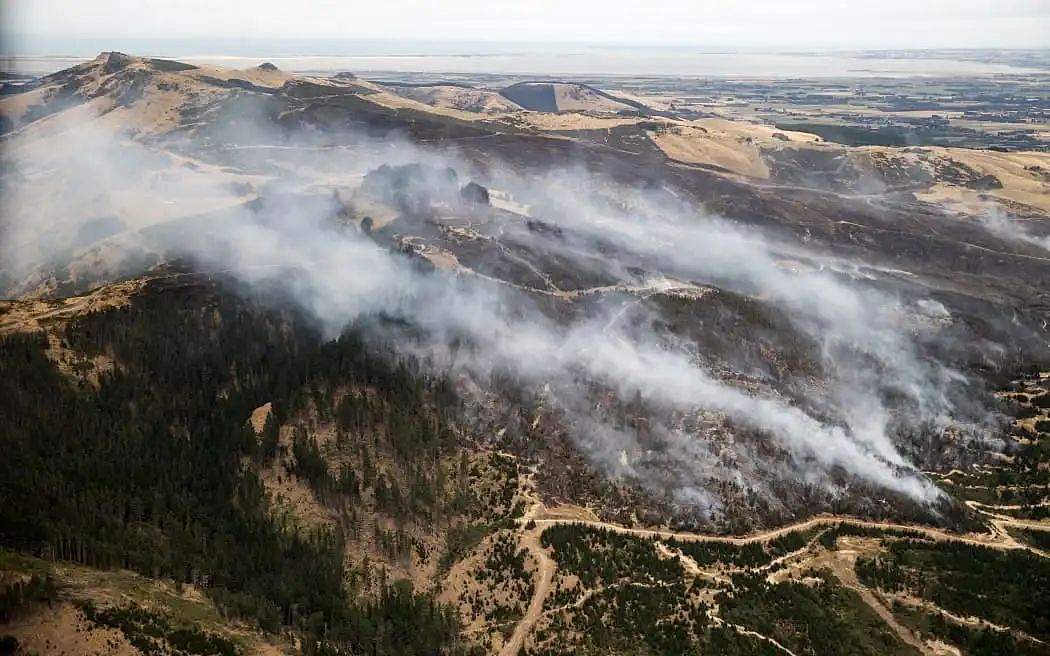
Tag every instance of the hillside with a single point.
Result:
(564, 97)
(296, 364)
(457, 97)
(334, 452)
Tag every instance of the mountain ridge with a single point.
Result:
(352, 372)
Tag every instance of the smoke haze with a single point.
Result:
(866, 336)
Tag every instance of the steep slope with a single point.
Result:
(458, 97)
(971, 181)
(298, 156)
(193, 502)
(564, 97)
(734, 147)
(356, 339)
(554, 579)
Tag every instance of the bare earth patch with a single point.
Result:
(62, 629)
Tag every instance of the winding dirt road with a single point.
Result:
(754, 634)
(999, 538)
(544, 576)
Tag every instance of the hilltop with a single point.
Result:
(564, 97)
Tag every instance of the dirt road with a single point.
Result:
(999, 540)
(544, 576)
(543, 517)
(841, 563)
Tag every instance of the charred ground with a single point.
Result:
(180, 415)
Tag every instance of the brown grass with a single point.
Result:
(735, 146)
(32, 315)
(259, 416)
(62, 629)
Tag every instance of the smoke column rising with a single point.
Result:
(337, 275)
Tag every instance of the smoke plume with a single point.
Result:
(63, 193)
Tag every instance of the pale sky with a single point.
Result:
(704, 24)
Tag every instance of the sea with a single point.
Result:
(43, 56)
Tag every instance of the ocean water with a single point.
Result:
(36, 58)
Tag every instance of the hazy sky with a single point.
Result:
(704, 24)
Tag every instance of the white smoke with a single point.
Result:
(339, 274)
(1000, 225)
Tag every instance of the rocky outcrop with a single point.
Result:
(474, 194)
(114, 61)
